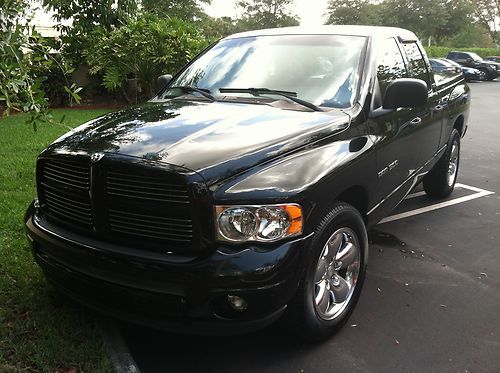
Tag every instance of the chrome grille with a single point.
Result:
(65, 191)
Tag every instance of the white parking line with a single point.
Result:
(479, 193)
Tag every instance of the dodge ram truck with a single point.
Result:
(242, 192)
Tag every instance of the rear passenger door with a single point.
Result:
(428, 120)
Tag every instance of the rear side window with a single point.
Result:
(417, 62)
(390, 64)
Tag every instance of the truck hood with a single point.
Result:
(215, 139)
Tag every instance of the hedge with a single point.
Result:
(437, 52)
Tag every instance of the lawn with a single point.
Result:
(38, 331)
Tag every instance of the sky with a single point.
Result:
(310, 12)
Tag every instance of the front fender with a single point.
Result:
(312, 177)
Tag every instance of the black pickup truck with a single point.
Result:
(490, 69)
(242, 193)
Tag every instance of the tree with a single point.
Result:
(24, 55)
(141, 50)
(85, 17)
(258, 14)
(488, 14)
(188, 10)
(352, 12)
(435, 19)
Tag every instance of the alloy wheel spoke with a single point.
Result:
(320, 270)
(333, 247)
(340, 290)
(323, 299)
(346, 256)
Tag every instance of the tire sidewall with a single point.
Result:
(342, 215)
(454, 136)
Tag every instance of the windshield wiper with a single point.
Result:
(190, 89)
(292, 96)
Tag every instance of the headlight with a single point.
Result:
(265, 223)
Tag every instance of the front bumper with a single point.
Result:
(181, 296)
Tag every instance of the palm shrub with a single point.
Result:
(141, 50)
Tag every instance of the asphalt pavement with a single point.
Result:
(431, 301)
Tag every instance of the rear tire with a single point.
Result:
(334, 275)
(440, 181)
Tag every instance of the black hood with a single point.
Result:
(215, 139)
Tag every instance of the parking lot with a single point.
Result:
(431, 301)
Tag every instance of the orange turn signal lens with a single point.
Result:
(295, 214)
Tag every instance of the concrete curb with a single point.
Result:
(121, 358)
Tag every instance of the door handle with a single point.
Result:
(416, 121)
(438, 108)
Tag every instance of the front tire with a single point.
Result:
(440, 181)
(334, 275)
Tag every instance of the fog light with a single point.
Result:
(238, 303)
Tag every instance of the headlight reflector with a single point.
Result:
(237, 223)
(265, 223)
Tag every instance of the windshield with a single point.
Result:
(321, 69)
(475, 56)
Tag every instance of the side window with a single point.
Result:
(417, 63)
(390, 64)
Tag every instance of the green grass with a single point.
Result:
(38, 331)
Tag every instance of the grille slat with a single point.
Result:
(58, 166)
(58, 173)
(163, 228)
(144, 180)
(145, 188)
(74, 202)
(65, 191)
(70, 215)
(157, 222)
(67, 205)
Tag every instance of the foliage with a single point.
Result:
(188, 10)
(84, 17)
(352, 12)
(24, 55)
(216, 28)
(39, 332)
(441, 21)
(488, 13)
(471, 34)
(439, 52)
(258, 14)
(141, 50)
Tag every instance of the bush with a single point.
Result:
(438, 52)
(141, 50)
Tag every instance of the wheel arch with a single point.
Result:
(459, 124)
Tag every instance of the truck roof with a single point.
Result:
(366, 31)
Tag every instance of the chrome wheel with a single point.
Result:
(336, 274)
(453, 164)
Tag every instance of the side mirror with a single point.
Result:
(163, 80)
(405, 93)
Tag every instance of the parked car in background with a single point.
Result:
(493, 58)
(442, 66)
(468, 59)
(469, 72)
